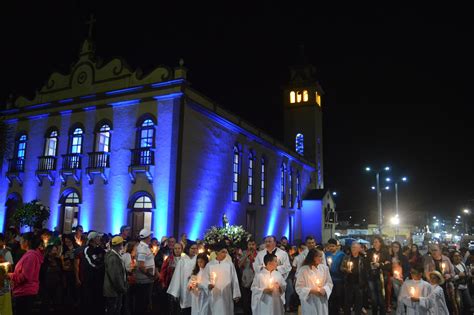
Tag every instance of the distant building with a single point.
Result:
(105, 146)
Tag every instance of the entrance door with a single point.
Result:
(250, 224)
(140, 220)
(70, 215)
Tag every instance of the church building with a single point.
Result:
(105, 146)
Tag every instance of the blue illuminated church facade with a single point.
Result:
(105, 146)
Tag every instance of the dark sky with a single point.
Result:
(397, 79)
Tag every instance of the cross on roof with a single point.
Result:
(91, 24)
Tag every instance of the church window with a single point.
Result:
(262, 182)
(236, 174)
(250, 185)
(143, 202)
(283, 184)
(102, 138)
(298, 96)
(70, 202)
(305, 95)
(299, 144)
(290, 189)
(318, 99)
(292, 97)
(144, 153)
(298, 190)
(51, 143)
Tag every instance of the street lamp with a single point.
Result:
(379, 193)
(466, 213)
(396, 181)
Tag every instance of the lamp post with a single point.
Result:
(466, 213)
(379, 193)
(402, 179)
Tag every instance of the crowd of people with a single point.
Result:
(95, 273)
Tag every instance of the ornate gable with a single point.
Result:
(90, 76)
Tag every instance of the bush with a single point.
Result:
(31, 214)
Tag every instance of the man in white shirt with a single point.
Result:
(310, 244)
(284, 266)
(145, 274)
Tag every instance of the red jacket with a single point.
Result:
(25, 278)
(167, 270)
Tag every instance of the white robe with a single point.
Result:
(226, 287)
(305, 281)
(284, 266)
(263, 303)
(200, 296)
(298, 261)
(437, 303)
(180, 280)
(406, 305)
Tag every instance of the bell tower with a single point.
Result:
(302, 99)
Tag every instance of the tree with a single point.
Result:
(32, 214)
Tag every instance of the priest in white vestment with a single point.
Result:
(198, 286)
(179, 282)
(284, 266)
(268, 289)
(414, 294)
(223, 284)
(314, 284)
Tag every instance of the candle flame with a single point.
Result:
(350, 263)
(412, 291)
(329, 261)
(376, 258)
(201, 250)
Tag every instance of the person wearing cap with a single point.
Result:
(415, 293)
(115, 280)
(125, 232)
(145, 273)
(94, 270)
(436, 302)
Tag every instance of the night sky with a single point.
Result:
(397, 79)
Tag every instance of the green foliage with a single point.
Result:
(237, 235)
(31, 214)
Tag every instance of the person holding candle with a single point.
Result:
(268, 289)
(198, 286)
(246, 267)
(223, 282)
(314, 284)
(441, 263)
(310, 243)
(355, 280)
(414, 294)
(284, 266)
(400, 271)
(461, 281)
(25, 277)
(334, 259)
(379, 264)
(179, 281)
(166, 274)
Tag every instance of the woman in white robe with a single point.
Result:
(436, 302)
(180, 279)
(198, 286)
(268, 289)
(314, 284)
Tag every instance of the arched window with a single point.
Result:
(305, 95)
(141, 204)
(70, 201)
(283, 184)
(17, 164)
(292, 97)
(298, 190)
(51, 143)
(290, 189)
(75, 145)
(262, 181)
(143, 153)
(21, 146)
(299, 143)
(250, 186)
(318, 98)
(298, 96)
(102, 138)
(236, 174)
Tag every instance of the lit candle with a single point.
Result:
(329, 261)
(412, 291)
(5, 266)
(318, 282)
(270, 283)
(155, 249)
(376, 258)
(165, 257)
(443, 267)
(201, 250)
(349, 265)
(396, 273)
(213, 278)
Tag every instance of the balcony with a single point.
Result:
(16, 168)
(142, 161)
(99, 164)
(46, 168)
(71, 167)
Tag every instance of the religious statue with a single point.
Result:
(225, 221)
